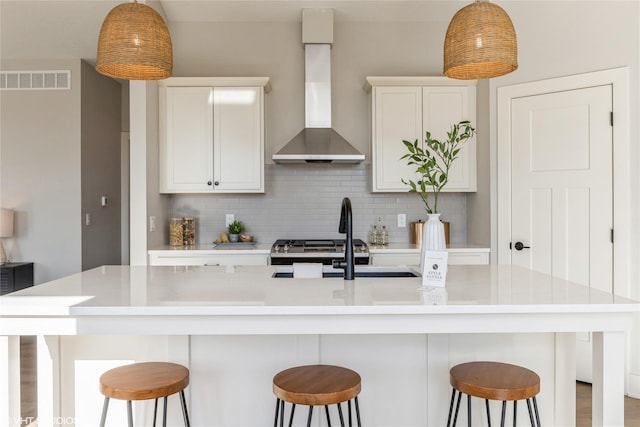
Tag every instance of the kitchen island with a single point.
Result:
(235, 327)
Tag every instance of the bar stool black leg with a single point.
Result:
(105, 406)
(535, 408)
(469, 410)
(358, 411)
(185, 414)
(293, 409)
(129, 414)
(453, 398)
(455, 417)
(164, 412)
(504, 412)
(349, 406)
(515, 410)
(486, 402)
(155, 411)
(310, 414)
(326, 411)
(340, 414)
(530, 413)
(275, 420)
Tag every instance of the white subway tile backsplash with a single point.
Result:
(303, 201)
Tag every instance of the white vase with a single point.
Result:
(432, 237)
(433, 234)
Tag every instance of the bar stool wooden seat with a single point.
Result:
(144, 381)
(316, 385)
(494, 381)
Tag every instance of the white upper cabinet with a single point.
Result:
(405, 108)
(212, 135)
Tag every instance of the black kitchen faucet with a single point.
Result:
(346, 227)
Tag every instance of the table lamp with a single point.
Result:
(6, 230)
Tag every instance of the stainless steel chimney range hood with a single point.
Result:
(318, 142)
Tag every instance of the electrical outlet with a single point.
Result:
(87, 219)
(228, 219)
(152, 223)
(402, 220)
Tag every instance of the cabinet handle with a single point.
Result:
(208, 182)
(216, 183)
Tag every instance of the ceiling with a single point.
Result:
(47, 29)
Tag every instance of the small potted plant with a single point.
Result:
(432, 162)
(235, 228)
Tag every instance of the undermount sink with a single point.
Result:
(361, 271)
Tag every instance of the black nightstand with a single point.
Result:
(15, 276)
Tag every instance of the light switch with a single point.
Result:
(105, 200)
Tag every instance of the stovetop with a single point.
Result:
(316, 246)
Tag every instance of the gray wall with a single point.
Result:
(59, 152)
(100, 167)
(40, 172)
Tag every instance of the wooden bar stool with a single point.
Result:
(144, 381)
(316, 385)
(494, 381)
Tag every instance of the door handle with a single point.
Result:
(519, 246)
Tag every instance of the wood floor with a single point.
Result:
(28, 375)
(583, 408)
(29, 406)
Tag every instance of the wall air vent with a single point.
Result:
(35, 80)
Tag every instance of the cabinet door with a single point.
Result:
(397, 116)
(443, 106)
(186, 139)
(238, 151)
(406, 113)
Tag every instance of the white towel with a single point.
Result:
(307, 270)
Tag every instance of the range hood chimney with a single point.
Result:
(317, 142)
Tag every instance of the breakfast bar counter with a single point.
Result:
(237, 326)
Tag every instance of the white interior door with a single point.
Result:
(562, 190)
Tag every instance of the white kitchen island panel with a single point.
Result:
(405, 380)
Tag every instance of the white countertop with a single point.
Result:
(211, 290)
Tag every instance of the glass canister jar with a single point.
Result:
(176, 233)
(189, 230)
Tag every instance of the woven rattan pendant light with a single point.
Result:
(480, 43)
(134, 44)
